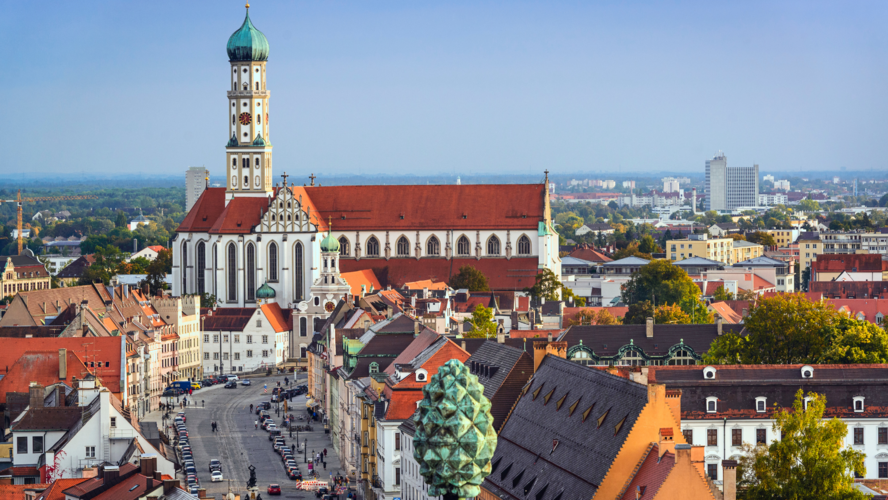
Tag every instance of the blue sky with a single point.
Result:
(458, 86)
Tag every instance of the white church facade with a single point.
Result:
(255, 231)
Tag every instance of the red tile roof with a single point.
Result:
(55, 490)
(724, 310)
(227, 319)
(760, 283)
(869, 308)
(836, 263)
(431, 285)
(156, 248)
(17, 491)
(396, 207)
(101, 354)
(590, 255)
(363, 277)
(502, 274)
(275, 316)
(408, 391)
(651, 474)
(850, 289)
(420, 343)
(41, 367)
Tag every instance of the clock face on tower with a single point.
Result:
(329, 306)
(245, 118)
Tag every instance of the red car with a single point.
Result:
(274, 489)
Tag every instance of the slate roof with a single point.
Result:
(761, 262)
(698, 261)
(419, 344)
(586, 447)
(44, 419)
(31, 331)
(493, 364)
(606, 340)
(628, 261)
(228, 319)
(737, 386)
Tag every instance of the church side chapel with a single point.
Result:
(295, 241)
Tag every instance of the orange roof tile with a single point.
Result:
(17, 491)
(419, 285)
(55, 490)
(728, 314)
(275, 316)
(102, 355)
(364, 277)
(760, 283)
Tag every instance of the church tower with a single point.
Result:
(248, 152)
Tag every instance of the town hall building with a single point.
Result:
(256, 231)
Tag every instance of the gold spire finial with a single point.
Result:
(248, 5)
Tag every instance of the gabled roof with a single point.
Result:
(419, 344)
(501, 357)
(628, 261)
(724, 310)
(761, 262)
(590, 255)
(101, 354)
(41, 367)
(228, 319)
(606, 340)
(862, 263)
(651, 474)
(276, 316)
(431, 285)
(56, 489)
(517, 273)
(698, 261)
(52, 302)
(850, 289)
(363, 277)
(48, 419)
(589, 437)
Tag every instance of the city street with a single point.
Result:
(238, 444)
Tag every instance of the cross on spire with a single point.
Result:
(284, 175)
(312, 177)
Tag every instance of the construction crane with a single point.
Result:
(18, 201)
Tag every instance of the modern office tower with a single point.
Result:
(195, 183)
(730, 188)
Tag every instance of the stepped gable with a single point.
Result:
(589, 437)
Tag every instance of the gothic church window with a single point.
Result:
(272, 261)
(232, 273)
(299, 270)
(373, 247)
(433, 247)
(184, 267)
(201, 266)
(344, 249)
(462, 246)
(523, 245)
(250, 271)
(493, 246)
(403, 247)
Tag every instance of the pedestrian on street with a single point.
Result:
(325, 452)
(251, 408)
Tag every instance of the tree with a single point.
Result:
(548, 287)
(737, 237)
(671, 315)
(158, 270)
(761, 238)
(591, 317)
(483, 325)
(120, 221)
(808, 205)
(855, 341)
(722, 294)
(659, 282)
(747, 295)
(469, 278)
(631, 250)
(638, 313)
(806, 462)
(648, 245)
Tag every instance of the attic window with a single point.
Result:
(517, 479)
(573, 407)
(619, 426)
(529, 485)
(761, 404)
(709, 373)
(402, 216)
(537, 392)
(587, 412)
(506, 472)
(542, 492)
(465, 216)
(807, 372)
(561, 401)
(712, 404)
(548, 397)
(495, 465)
(601, 418)
(858, 404)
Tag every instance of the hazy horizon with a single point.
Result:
(487, 88)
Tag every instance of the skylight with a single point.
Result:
(601, 418)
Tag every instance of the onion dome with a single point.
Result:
(247, 43)
(265, 292)
(232, 143)
(259, 141)
(329, 243)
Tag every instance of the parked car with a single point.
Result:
(295, 475)
(182, 415)
(274, 489)
(246, 381)
(231, 385)
(216, 476)
(195, 386)
(215, 464)
(232, 377)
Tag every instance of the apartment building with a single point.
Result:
(718, 249)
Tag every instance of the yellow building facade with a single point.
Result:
(719, 249)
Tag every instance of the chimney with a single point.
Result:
(425, 292)
(202, 493)
(89, 472)
(149, 465)
(63, 364)
(35, 393)
(649, 328)
(135, 245)
(729, 479)
(501, 337)
(169, 485)
(666, 444)
(59, 396)
(413, 301)
(718, 324)
(417, 327)
(158, 476)
(110, 475)
(549, 337)
(464, 345)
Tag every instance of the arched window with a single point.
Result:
(433, 246)
(257, 85)
(250, 271)
(247, 181)
(462, 246)
(493, 246)
(374, 367)
(232, 273)
(303, 327)
(257, 162)
(582, 357)
(373, 247)
(201, 259)
(215, 266)
(272, 261)
(233, 120)
(523, 245)
(298, 266)
(682, 357)
(184, 267)
(403, 247)
(344, 249)
(632, 357)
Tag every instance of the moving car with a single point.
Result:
(231, 385)
(246, 382)
(274, 489)
(216, 476)
(215, 464)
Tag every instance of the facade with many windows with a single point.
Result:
(237, 340)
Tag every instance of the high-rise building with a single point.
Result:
(195, 183)
(730, 188)
(671, 185)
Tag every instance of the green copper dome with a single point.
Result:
(259, 141)
(329, 243)
(265, 292)
(247, 43)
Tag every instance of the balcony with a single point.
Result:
(377, 482)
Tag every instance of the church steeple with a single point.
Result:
(248, 151)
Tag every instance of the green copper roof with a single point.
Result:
(232, 142)
(259, 141)
(265, 292)
(247, 43)
(329, 243)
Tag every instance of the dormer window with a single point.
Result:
(422, 375)
(858, 404)
(807, 371)
(712, 404)
(761, 404)
(709, 373)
